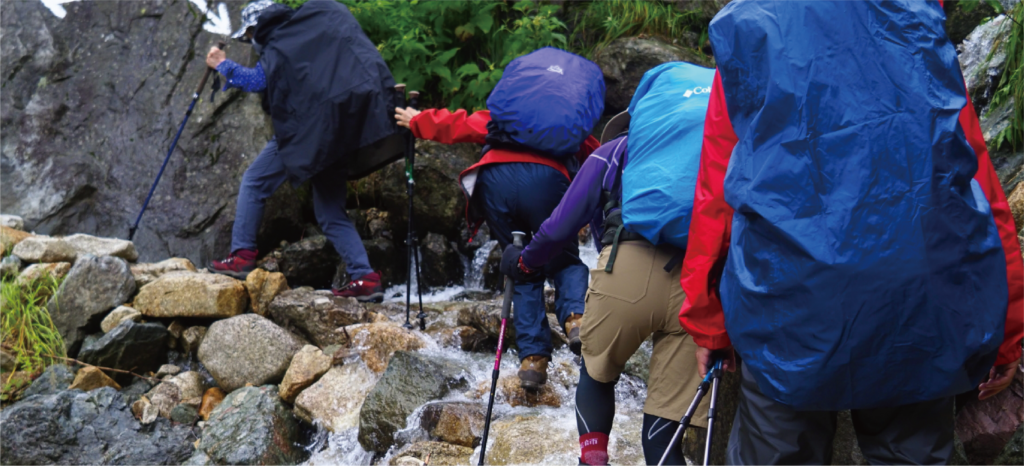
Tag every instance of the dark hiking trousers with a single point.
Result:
(265, 175)
(519, 196)
(767, 432)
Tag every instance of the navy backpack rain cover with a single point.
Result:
(548, 101)
(865, 269)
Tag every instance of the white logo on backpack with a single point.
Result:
(556, 69)
(696, 90)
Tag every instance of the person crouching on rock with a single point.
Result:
(516, 185)
(311, 139)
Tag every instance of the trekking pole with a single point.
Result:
(717, 371)
(506, 310)
(195, 97)
(414, 102)
(702, 389)
(400, 97)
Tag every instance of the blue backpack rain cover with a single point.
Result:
(548, 100)
(666, 130)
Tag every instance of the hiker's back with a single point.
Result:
(858, 230)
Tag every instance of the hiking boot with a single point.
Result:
(366, 289)
(533, 372)
(238, 264)
(572, 330)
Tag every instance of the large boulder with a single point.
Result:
(138, 347)
(148, 272)
(252, 426)
(624, 61)
(94, 286)
(44, 249)
(410, 381)
(97, 427)
(307, 366)
(187, 294)
(335, 400)
(316, 315)
(247, 349)
(86, 128)
(88, 244)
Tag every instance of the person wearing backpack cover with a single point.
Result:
(536, 132)
(850, 238)
(628, 191)
(314, 143)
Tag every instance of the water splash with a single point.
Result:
(475, 272)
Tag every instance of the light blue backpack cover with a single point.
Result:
(666, 130)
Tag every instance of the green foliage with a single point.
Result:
(25, 325)
(970, 5)
(454, 51)
(604, 21)
(1011, 83)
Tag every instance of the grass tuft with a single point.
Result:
(26, 329)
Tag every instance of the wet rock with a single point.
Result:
(144, 411)
(982, 58)
(97, 427)
(377, 343)
(984, 426)
(410, 380)
(191, 338)
(44, 249)
(185, 294)
(34, 272)
(147, 273)
(486, 317)
(211, 398)
(252, 426)
(1014, 451)
(312, 261)
(509, 391)
(624, 61)
(440, 264)
(458, 423)
(529, 439)
(184, 414)
(336, 399)
(306, 368)
(94, 286)
(493, 279)
(119, 314)
(263, 287)
(91, 378)
(247, 349)
(462, 337)
(54, 379)
(87, 244)
(9, 266)
(129, 346)
(438, 453)
(12, 237)
(167, 369)
(13, 222)
(316, 316)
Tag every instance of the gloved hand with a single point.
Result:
(512, 265)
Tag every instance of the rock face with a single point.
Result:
(307, 366)
(252, 426)
(54, 379)
(336, 399)
(185, 294)
(74, 427)
(44, 249)
(56, 270)
(147, 273)
(130, 346)
(410, 381)
(263, 287)
(982, 58)
(119, 314)
(985, 426)
(94, 286)
(87, 244)
(624, 62)
(247, 349)
(88, 129)
(316, 316)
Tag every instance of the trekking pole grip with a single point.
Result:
(202, 82)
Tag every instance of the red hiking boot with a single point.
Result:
(366, 289)
(237, 265)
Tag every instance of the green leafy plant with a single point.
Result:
(26, 328)
(1011, 83)
(601, 22)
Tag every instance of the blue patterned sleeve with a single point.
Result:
(246, 79)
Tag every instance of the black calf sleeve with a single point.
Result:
(595, 404)
(656, 436)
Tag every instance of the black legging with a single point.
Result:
(595, 411)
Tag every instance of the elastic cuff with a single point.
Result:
(594, 448)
